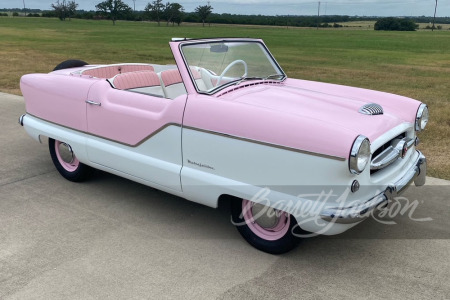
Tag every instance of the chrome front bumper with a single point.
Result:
(21, 120)
(354, 214)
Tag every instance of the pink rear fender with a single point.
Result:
(56, 98)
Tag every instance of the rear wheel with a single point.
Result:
(71, 63)
(66, 162)
(264, 227)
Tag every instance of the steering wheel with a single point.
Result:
(239, 61)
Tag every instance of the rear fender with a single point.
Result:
(57, 99)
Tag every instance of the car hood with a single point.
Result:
(315, 117)
(330, 104)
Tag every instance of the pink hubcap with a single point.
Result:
(266, 222)
(66, 157)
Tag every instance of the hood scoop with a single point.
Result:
(371, 109)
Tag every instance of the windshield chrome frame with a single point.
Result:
(209, 41)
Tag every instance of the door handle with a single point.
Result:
(93, 102)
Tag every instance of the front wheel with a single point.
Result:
(66, 162)
(264, 227)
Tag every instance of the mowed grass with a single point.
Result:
(413, 64)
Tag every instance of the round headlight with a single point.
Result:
(359, 155)
(422, 117)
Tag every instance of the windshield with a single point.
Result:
(215, 65)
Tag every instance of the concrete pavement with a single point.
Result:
(110, 238)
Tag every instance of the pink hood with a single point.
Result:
(310, 116)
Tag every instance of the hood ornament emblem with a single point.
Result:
(371, 109)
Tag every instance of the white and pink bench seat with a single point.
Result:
(141, 78)
(147, 82)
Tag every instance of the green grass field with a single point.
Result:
(414, 64)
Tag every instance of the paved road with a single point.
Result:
(112, 238)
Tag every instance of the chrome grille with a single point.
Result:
(390, 152)
(371, 109)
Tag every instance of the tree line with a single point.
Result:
(174, 13)
(395, 24)
(118, 10)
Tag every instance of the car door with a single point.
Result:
(135, 134)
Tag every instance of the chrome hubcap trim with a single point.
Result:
(66, 153)
(265, 216)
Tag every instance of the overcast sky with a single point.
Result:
(281, 7)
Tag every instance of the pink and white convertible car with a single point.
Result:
(291, 157)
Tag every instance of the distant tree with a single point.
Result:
(173, 13)
(155, 10)
(203, 12)
(113, 9)
(64, 9)
(395, 24)
(49, 14)
(71, 8)
(15, 14)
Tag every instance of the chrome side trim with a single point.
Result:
(205, 131)
(111, 140)
(267, 144)
(354, 214)
(397, 149)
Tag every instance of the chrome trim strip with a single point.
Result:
(355, 214)
(111, 140)
(267, 144)
(205, 131)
